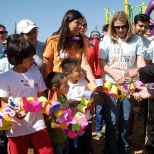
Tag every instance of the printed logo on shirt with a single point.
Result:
(36, 85)
(26, 84)
(63, 54)
(118, 60)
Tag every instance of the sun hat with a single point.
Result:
(25, 26)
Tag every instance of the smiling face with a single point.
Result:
(141, 27)
(121, 28)
(31, 36)
(74, 27)
(83, 28)
(75, 74)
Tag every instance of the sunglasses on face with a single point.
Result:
(3, 32)
(84, 25)
(122, 27)
(150, 27)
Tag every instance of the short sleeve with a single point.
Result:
(103, 46)
(140, 50)
(4, 87)
(42, 86)
(49, 48)
(149, 52)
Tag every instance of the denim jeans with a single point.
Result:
(61, 148)
(117, 119)
(100, 116)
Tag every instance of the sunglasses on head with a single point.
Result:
(84, 25)
(122, 27)
(3, 32)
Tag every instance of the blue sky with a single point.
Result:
(47, 14)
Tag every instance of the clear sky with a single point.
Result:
(47, 14)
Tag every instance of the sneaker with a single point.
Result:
(99, 135)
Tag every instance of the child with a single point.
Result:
(58, 82)
(23, 80)
(73, 71)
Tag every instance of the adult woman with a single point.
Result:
(68, 44)
(119, 51)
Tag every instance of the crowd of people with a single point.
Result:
(64, 64)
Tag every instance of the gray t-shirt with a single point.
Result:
(121, 56)
(39, 54)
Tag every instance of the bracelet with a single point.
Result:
(126, 73)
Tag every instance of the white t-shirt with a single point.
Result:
(39, 53)
(121, 56)
(75, 93)
(4, 65)
(150, 51)
(19, 85)
(146, 43)
(150, 38)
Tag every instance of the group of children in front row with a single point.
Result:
(24, 80)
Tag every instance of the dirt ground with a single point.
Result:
(136, 143)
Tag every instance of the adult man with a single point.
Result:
(30, 32)
(141, 25)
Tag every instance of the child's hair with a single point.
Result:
(19, 49)
(68, 65)
(53, 80)
(14, 37)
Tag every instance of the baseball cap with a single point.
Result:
(95, 34)
(105, 27)
(25, 26)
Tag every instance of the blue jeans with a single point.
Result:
(100, 116)
(117, 119)
(61, 148)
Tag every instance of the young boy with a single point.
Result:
(58, 82)
(77, 83)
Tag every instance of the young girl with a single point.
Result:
(58, 82)
(22, 80)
